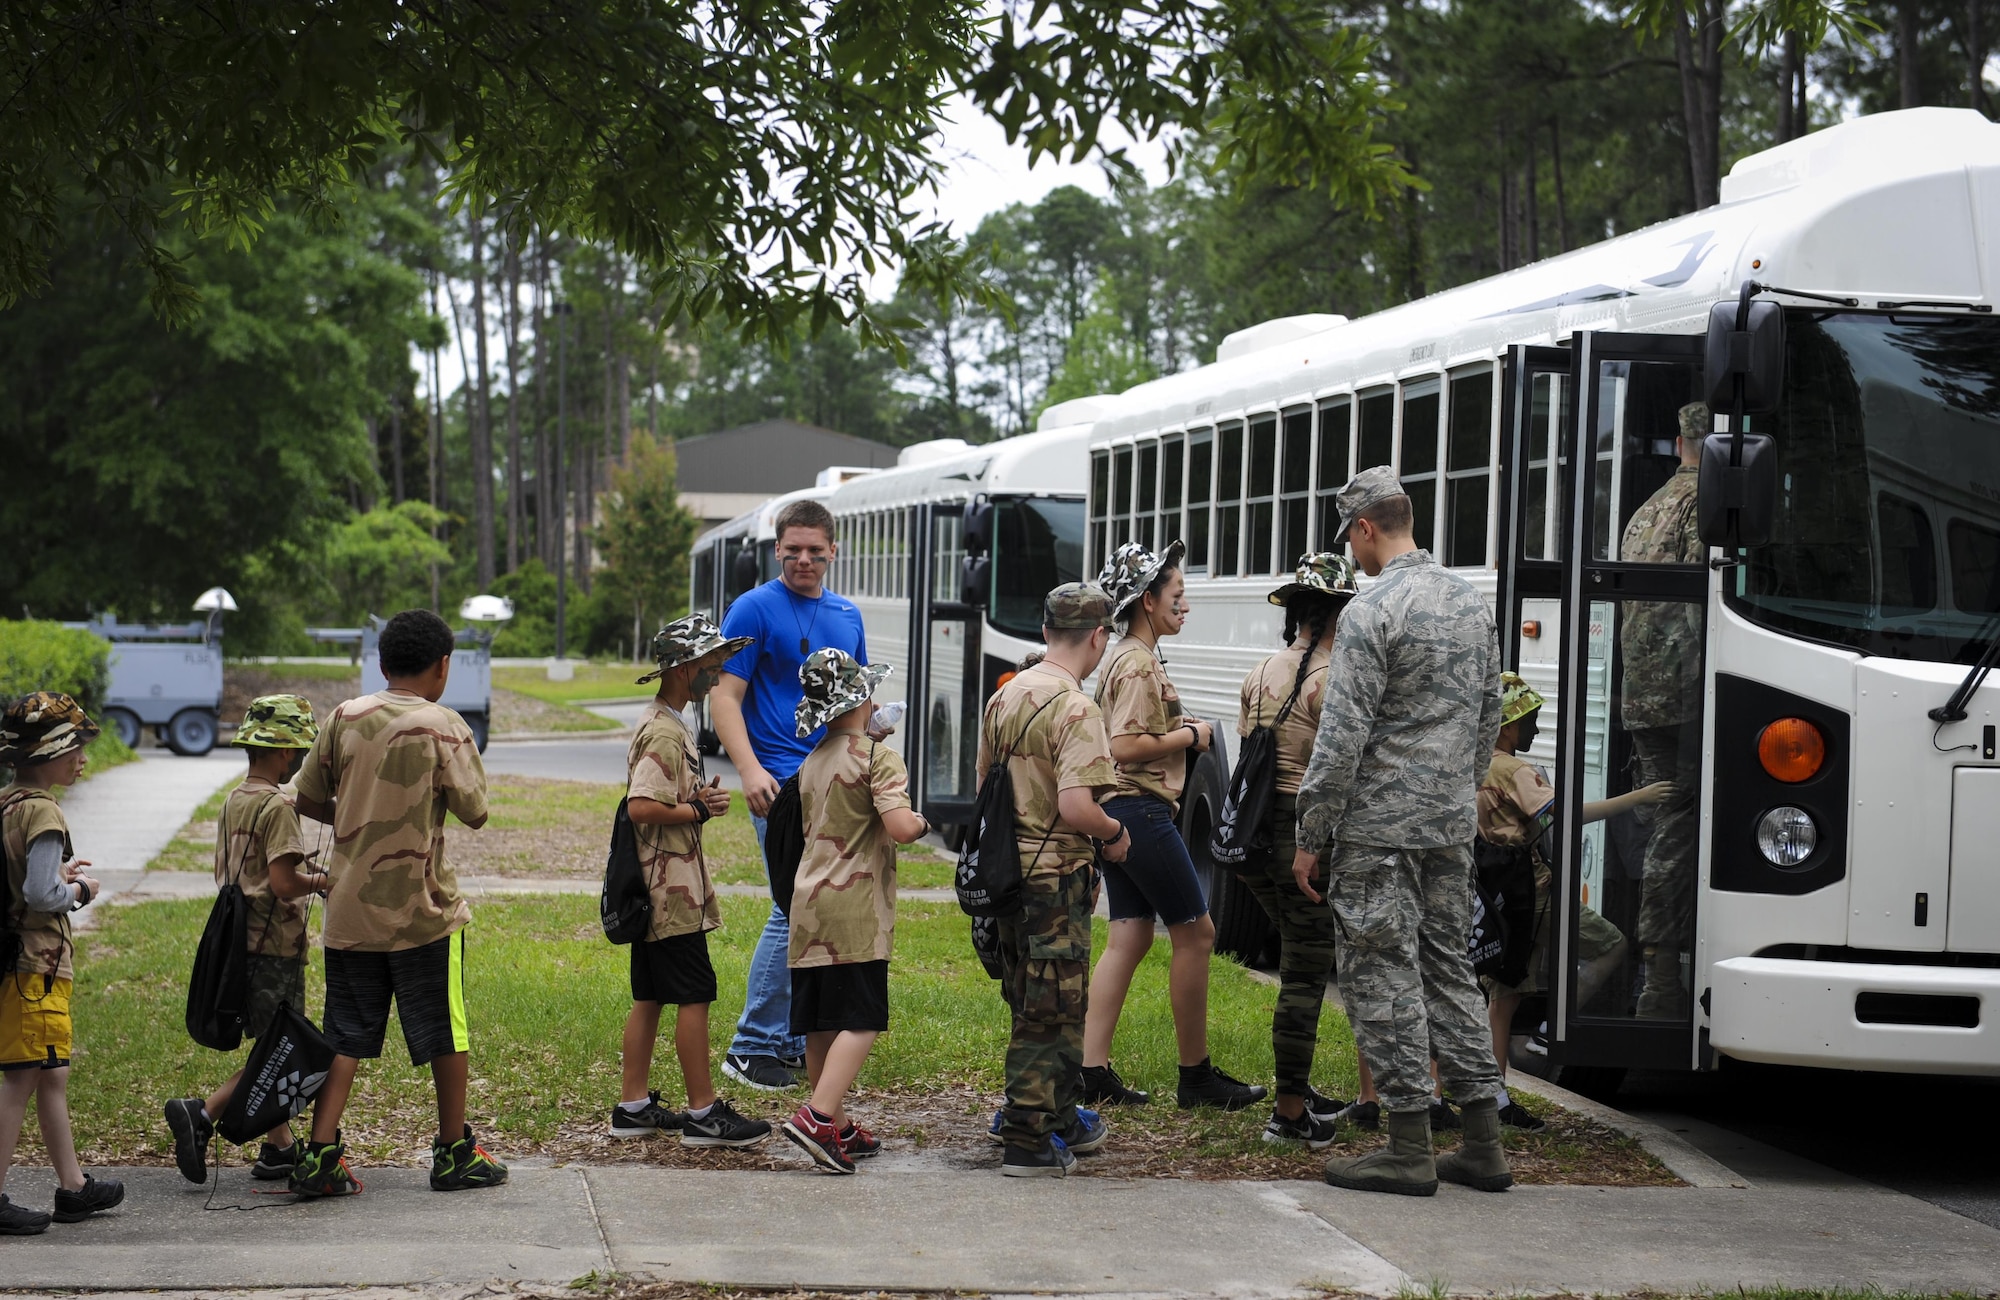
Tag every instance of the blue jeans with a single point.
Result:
(765, 1028)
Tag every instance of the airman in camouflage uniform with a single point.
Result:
(1389, 802)
(1057, 741)
(1661, 650)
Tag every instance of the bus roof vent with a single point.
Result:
(834, 475)
(1078, 410)
(1272, 333)
(1920, 138)
(923, 453)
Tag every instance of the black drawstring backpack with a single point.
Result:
(625, 906)
(784, 842)
(1242, 833)
(988, 878)
(285, 1071)
(219, 985)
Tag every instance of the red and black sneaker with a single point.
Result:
(817, 1137)
(859, 1143)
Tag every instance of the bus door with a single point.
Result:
(942, 725)
(1532, 507)
(1630, 713)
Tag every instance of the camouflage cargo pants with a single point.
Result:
(1405, 971)
(1045, 977)
(1306, 935)
(1666, 892)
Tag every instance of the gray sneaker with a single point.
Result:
(722, 1127)
(764, 1073)
(653, 1118)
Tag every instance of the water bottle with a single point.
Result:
(888, 715)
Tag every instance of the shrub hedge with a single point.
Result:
(37, 655)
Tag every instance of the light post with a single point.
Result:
(562, 312)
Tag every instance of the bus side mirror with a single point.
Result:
(975, 579)
(977, 531)
(1754, 354)
(743, 568)
(1736, 504)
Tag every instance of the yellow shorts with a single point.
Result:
(34, 1030)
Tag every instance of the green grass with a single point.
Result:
(105, 753)
(341, 672)
(193, 846)
(547, 998)
(592, 682)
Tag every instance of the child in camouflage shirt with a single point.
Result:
(258, 845)
(668, 801)
(854, 796)
(383, 772)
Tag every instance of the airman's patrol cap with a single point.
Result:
(1371, 487)
(1077, 605)
(1696, 422)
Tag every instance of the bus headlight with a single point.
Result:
(1786, 836)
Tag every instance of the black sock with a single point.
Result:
(1200, 1067)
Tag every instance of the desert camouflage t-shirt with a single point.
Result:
(664, 765)
(1513, 792)
(258, 826)
(30, 814)
(395, 763)
(844, 904)
(1265, 691)
(1058, 747)
(1138, 700)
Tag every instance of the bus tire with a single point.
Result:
(1242, 930)
(480, 727)
(191, 733)
(125, 725)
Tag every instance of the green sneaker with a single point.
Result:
(321, 1170)
(459, 1165)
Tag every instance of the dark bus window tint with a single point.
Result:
(1909, 555)
(1228, 492)
(1121, 481)
(1201, 462)
(1465, 526)
(1170, 477)
(1420, 437)
(1471, 421)
(1378, 430)
(1263, 457)
(1975, 567)
(1423, 509)
(1334, 418)
(1100, 482)
(1298, 451)
(1149, 476)
(1038, 545)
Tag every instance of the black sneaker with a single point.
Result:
(1323, 1106)
(1443, 1117)
(274, 1162)
(796, 1064)
(1103, 1087)
(463, 1165)
(1365, 1114)
(859, 1143)
(1086, 1136)
(1316, 1131)
(1204, 1085)
(19, 1221)
(92, 1197)
(1052, 1161)
(191, 1130)
(653, 1118)
(1518, 1116)
(722, 1127)
(764, 1073)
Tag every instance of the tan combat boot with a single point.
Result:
(1479, 1161)
(1404, 1167)
(1662, 997)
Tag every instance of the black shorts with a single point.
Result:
(427, 984)
(1157, 877)
(830, 998)
(673, 970)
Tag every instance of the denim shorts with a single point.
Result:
(1157, 877)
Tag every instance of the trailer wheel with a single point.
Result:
(1242, 929)
(191, 733)
(477, 721)
(125, 725)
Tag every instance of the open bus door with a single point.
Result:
(942, 726)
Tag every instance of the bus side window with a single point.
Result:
(1418, 469)
(1171, 452)
(1258, 513)
(1336, 438)
(1145, 494)
(1378, 431)
(1295, 487)
(1201, 465)
(1228, 499)
(1121, 497)
(1100, 501)
(1468, 456)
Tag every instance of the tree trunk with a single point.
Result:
(1788, 73)
(1975, 56)
(396, 448)
(1909, 90)
(546, 549)
(1532, 184)
(1698, 54)
(1556, 169)
(1506, 201)
(511, 317)
(480, 417)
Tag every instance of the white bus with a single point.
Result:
(948, 555)
(1846, 913)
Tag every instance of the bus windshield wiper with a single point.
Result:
(1953, 709)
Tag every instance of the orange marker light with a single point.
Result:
(1002, 680)
(1532, 629)
(1792, 750)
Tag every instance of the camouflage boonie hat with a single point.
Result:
(834, 683)
(1696, 420)
(687, 639)
(1369, 488)
(1517, 698)
(278, 722)
(1132, 568)
(1328, 573)
(1077, 605)
(42, 726)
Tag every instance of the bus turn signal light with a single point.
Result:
(1002, 680)
(1792, 750)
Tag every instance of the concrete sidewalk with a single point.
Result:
(121, 818)
(941, 1231)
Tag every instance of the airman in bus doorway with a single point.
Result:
(1661, 648)
(1389, 807)
(1153, 741)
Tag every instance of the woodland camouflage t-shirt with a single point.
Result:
(664, 765)
(258, 826)
(1265, 691)
(45, 947)
(844, 904)
(1138, 700)
(1058, 743)
(395, 763)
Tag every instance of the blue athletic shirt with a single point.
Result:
(779, 617)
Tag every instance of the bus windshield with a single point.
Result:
(1037, 546)
(1887, 537)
